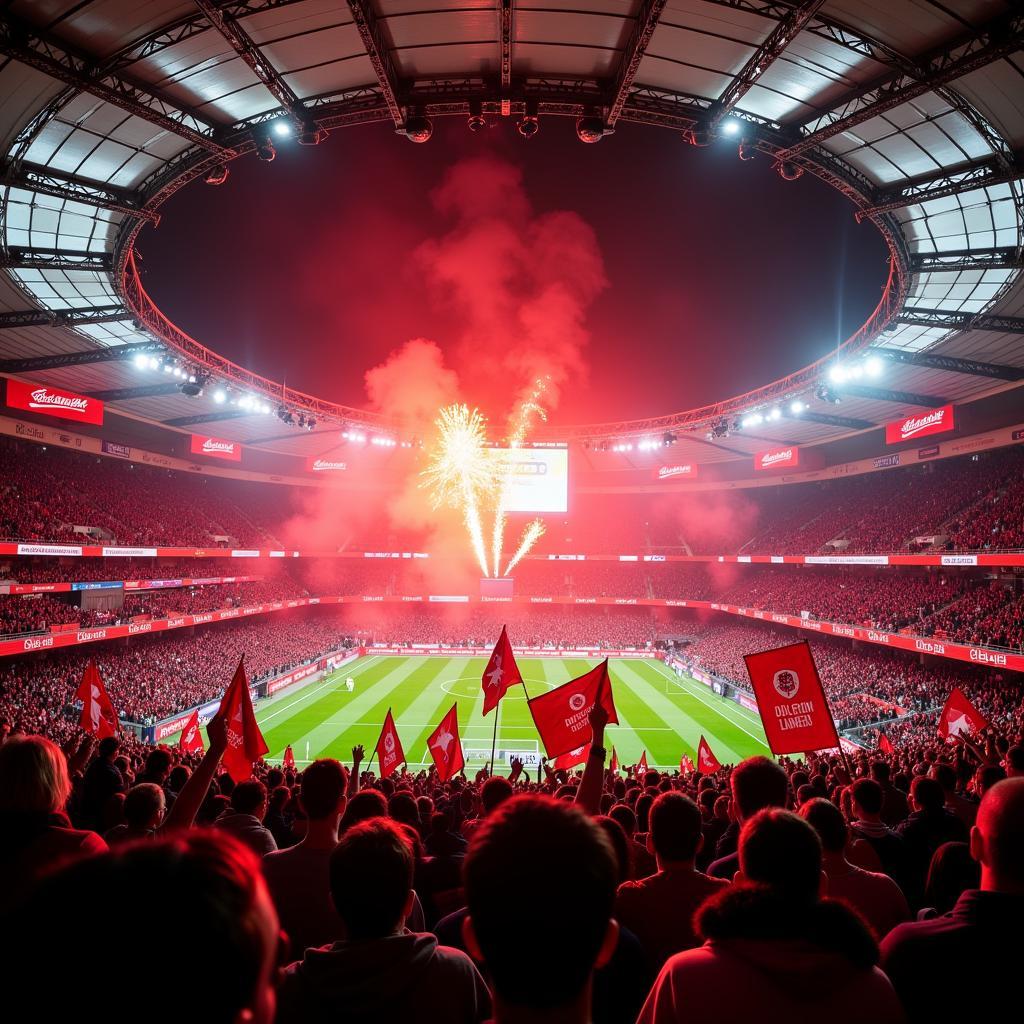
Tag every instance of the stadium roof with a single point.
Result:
(913, 109)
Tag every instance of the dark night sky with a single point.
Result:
(721, 275)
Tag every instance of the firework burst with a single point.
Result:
(461, 474)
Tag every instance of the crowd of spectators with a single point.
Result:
(975, 502)
(993, 616)
(879, 886)
(157, 676)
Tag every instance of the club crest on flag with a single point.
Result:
(786, 683)
(576, 701)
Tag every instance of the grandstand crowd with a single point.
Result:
(881, 886)
(971, 503)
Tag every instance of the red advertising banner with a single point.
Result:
(778, 458)
(791, 700)
(320, 464)
(51, 401)
(216, 448)
(934, 421)
(682, 471)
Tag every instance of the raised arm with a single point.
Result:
(353, 779)
(588, 794)
(197, 785)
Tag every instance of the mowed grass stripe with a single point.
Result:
(273, 713)
(735, 743)
(662, 731)
(329, 701)
(323, 723)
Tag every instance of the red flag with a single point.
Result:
(501, 672)
(445, 746)
(98, 714)
(288, 761)
(685, 765)
(389, 747)
(561, 714)
(245, 741)
(791, 700)
(191, 739)
(959, 716)
(706, 760)
(884, 744)
(614, 766)
(573, 758)
(641, 768)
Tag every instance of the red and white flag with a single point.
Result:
(791, 700)
(706, 760)
(288, 761)
(884, 744)
(641, 765)
(573, 758)
(389, 747)
(445, 746)
(960, 717)
(561, 715)
(685, 765)
(614, 766)
(191, 739)
(245, 741)
(98, 714)
(501, 673)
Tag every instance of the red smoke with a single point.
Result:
(520, 281)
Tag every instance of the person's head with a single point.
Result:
(370, 874)
(144, 806)
(539, 866)
(620, 844)
(1013, 761)
(945, 775)
(623, 814)
(880, 772)
(33, 776)
(756, 783)
(108, 748)
(987, 776)
(926, 795)
(643, 811)
(827, 820)
(402, 807)
(225, 940)
(177, 778)
(158, 764)
(997, 838)
(322, 789)
(494, 792)
(952, 870)
(250, 797)
(781, 851)
(675, 835)
(366, 804)
(867, 799)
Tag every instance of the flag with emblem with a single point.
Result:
(445, 746)
(245, 741)
(389, 747)
(706, 760)
(501, 672)
(191, 739)
(562, 714)
(960, 717)
(98, 714)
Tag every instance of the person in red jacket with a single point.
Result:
(773, 949)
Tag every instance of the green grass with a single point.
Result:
(658, 712)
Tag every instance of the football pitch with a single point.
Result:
(658, 712)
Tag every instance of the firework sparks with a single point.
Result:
(460, 473)
(533, 532)
(527, 409)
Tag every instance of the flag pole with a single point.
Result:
(494, 736)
